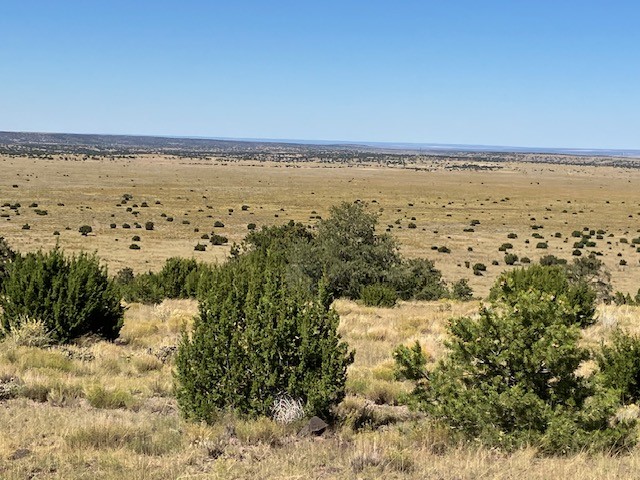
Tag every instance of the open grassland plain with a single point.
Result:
(106, 410)
(457, 217)
(97, 409)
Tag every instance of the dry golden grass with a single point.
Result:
(105, 410)
(444, 202)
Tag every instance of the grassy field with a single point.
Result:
(555, 199)
(106, 410)
(103, 410)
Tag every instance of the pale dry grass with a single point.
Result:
(106, 411)
(609, 318)
(561, 198)
(375, 332)
(160, 325)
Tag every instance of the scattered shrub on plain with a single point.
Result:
(72, 295)
(510, 377)
(257, 338)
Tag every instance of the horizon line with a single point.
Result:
(394, 145)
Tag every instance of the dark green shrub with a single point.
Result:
(410, 364)
(200, 247)
(134, 246)
(255, 339)
(549, 260)
(591, 271)
(72, 295)
(504, 247)
(417, 278)
(218, 224)
(135, 238)
(348, 253)
(7, 255)
(412, 225)
(510, 258)
(378, 295)
(178, 277)
(216, 239)
(461, 290)
(620, 298)
(510, 377)
(281, 237)
(148, 225)
(144, 288)
(541, 245)
(478, 268)
(124, 276)
(512, 236)
(251, 226)
(552, 280)
(619, 364)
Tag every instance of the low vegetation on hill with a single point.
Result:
(215, 370)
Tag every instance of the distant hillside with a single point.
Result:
(46, 144)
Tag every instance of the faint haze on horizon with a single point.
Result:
(540, 74)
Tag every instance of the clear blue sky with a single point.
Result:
(545, 73)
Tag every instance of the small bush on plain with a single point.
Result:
(255, 339)
(378, 295)
(73, 296)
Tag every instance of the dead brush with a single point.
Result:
(9, 387)
(162, 312)
(368, 455)
(286, 410)
(30, 332)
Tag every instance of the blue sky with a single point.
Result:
(539, 73)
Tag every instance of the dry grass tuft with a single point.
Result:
(30, 333)
(160, 438)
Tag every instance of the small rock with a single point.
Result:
(315, 426)
(19, 453)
